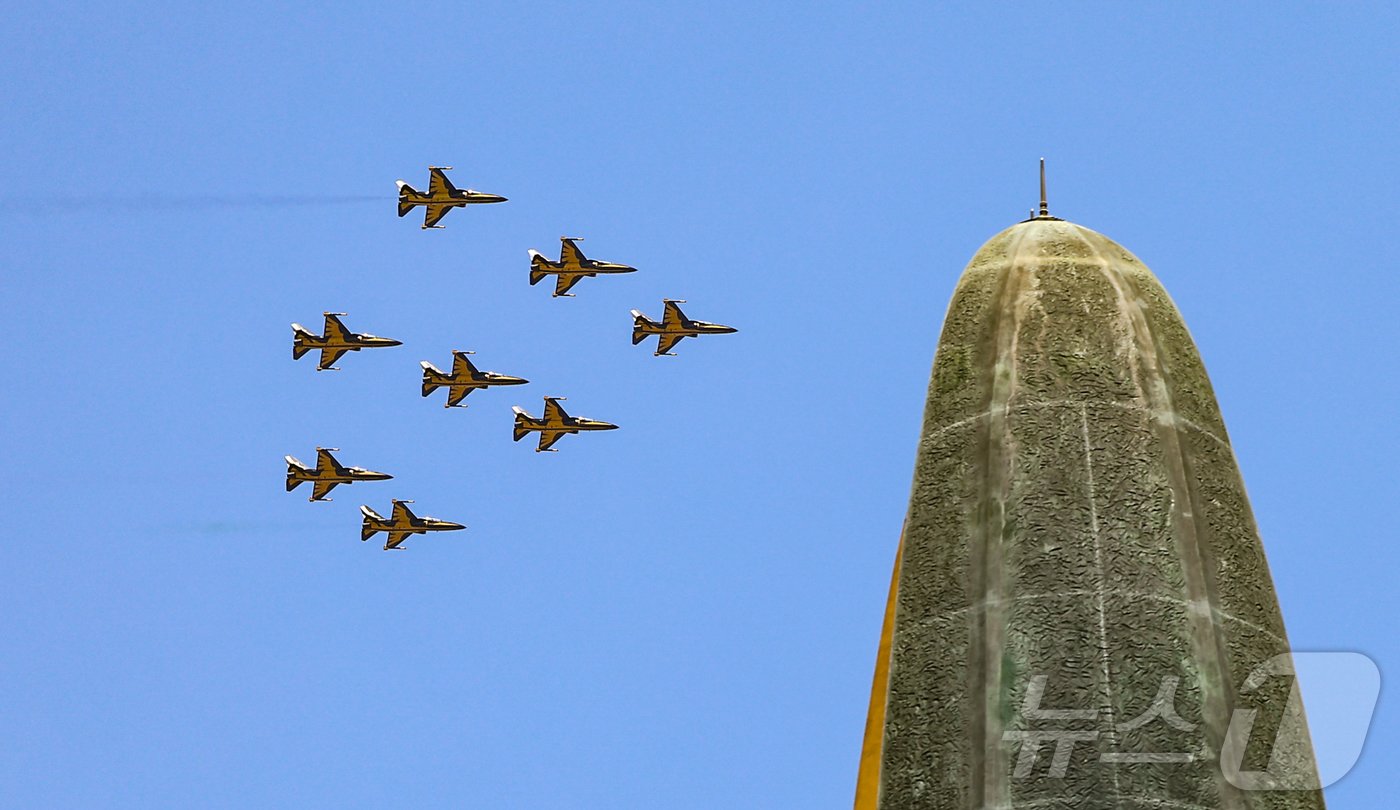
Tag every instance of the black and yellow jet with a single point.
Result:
(554, 425)
(336, 341)
(571, 267)
(327, 474)
(442, 197)
(401, 524)
(464, 379)
(673, 327)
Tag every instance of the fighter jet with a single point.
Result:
(554, 425)
(401, 524)
(463, 380)
(336, 341)
(327, 474)
(442, 197)
(571, 267)
(674, 326)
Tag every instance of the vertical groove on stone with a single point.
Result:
(989, 573)
(1109, 721)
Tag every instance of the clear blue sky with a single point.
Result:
(682, 613)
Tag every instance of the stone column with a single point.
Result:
(1080, 594)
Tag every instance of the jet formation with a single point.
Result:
(464, 378)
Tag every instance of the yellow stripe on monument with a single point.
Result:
(872, 749)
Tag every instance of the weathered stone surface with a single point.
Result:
(1078, 529)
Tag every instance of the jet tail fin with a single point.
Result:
(299, 346)
(373, 523)
(294, 470)
(537, 267)
(640, 323)
(408, 197)
(432, 377)
(521, 430)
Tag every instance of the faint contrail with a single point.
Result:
(235, 527)
(179, 202)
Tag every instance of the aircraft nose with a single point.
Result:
(449, 526)
(392, 342)
(492, 198)
(727, 330)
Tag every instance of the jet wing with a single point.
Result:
(396, 539)
(321, 489)
(439, 185)
(434, 213)
(335, 331)
(570, 254)
(457, 393)
(462, 366)
(329, 356)
(667, 342)
(549, 437)
(565, 282)
(326, 463)
(673, 318)
(554, 413)
(401, 515)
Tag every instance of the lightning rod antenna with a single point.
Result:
(1044, 208)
